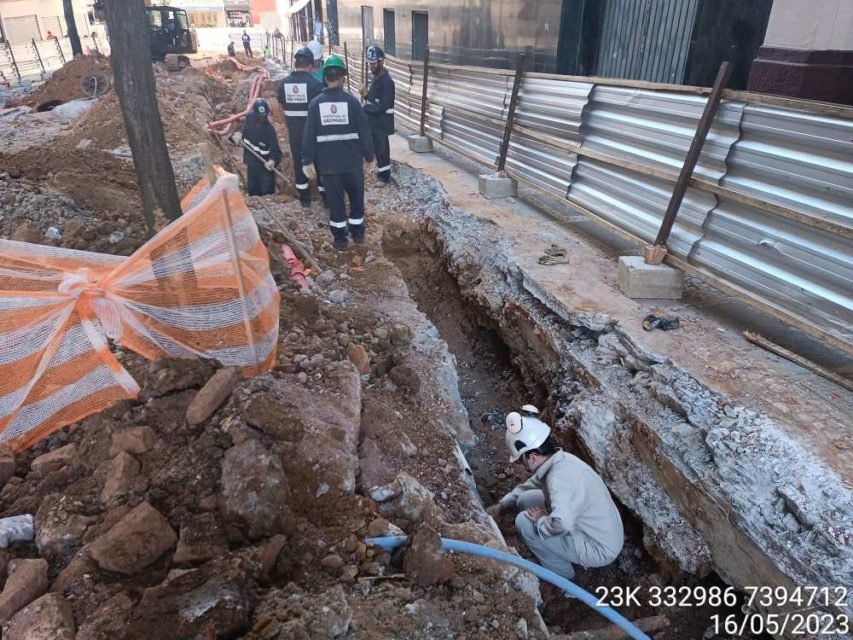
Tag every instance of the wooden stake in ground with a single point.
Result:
(137, 94)
(73, 35)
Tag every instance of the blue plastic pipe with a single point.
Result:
(460, 546)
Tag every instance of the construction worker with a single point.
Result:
(317, 51)
(231, 52)
(247, 43)
(379, 107)
(295, 93)
(337, 138)
(565, 514)
(261, 152)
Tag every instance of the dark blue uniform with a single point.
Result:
(247, 44)
(379, 107)
(337, 140)
(295, 93)
(259, 135)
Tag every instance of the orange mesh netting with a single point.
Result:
(201, 287)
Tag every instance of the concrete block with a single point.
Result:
(640, 280)
(420, 144)
(494, 186)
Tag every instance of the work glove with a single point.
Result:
(270, 165)
(363, 92)
(309, 171)
(370, 166)
(237, 138)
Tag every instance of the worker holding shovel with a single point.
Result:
(261, 151)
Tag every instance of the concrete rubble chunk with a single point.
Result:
(59, 531)
(136, 541)
(48, 618)
(134, 440)
(255, 491)
(16, 529)
(55, 460)
(27, 581)
(213, 395)
(419, 144)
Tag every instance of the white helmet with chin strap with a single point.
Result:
(524, 432)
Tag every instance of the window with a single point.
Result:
(420, 34)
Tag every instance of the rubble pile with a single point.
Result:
(65, 83)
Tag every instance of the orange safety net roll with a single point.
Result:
(201, 287)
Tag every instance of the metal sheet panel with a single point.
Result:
(635, 203)
(656, 128)
(795, 159)
(547, 167)
(552, 107)
(807, 271)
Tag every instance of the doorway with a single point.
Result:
(420, 34)
(390, 31)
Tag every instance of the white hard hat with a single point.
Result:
(529, 408)
(316, 49)
(523, 434)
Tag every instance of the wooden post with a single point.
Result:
(693, 154)
(363, 67)
(346, 62)
(61, 52)
(38, 55)
(12, 58)
(73, 35)
(510, 116)
(136, 89)
(424, 91)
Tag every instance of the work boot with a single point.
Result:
(381, 184)
(341, 246)
(306, 204)
(359, 239)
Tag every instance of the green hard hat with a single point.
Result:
(334, 61)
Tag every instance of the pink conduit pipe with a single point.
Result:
(223, 127)
(297, 269)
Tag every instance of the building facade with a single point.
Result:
(24, 20)
(790, 47)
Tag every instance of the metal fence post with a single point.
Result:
(693, 153)
(510, 116)
(346, 62)
(61, 52)
(14, 62)
(38, 55)
(424, 91)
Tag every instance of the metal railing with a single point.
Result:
(31, 61)
(768, 212)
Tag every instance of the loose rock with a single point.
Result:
(48, 618)
(27, 582)
(214, 393)
(135, 440)
(55, 460)
(135, 542)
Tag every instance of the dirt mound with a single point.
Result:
(64, 84)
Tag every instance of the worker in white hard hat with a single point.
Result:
(565, 514)
(317, 51)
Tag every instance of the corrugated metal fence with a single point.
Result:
(768, 215)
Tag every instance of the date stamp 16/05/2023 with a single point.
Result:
(810, 612)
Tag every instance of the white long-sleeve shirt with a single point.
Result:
(580, 505)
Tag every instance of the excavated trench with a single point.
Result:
(502, 366)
